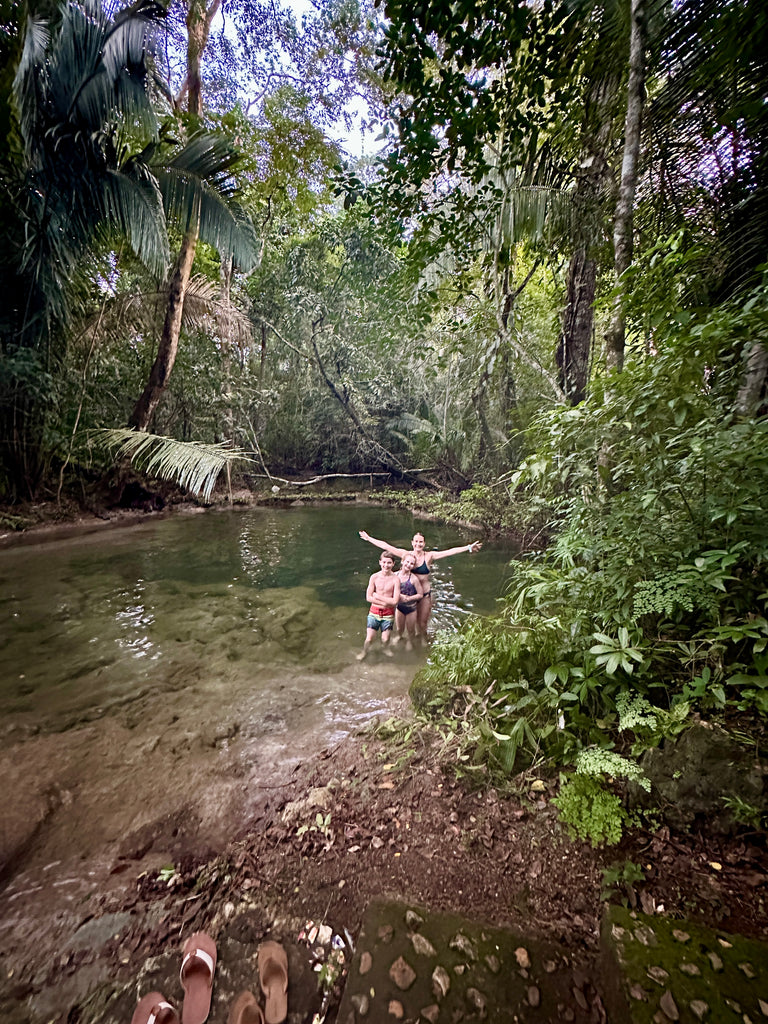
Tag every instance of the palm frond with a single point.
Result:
(132, 203)
(141, 314)
(190, 464)
(198, 194)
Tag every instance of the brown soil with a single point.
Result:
(414, 833)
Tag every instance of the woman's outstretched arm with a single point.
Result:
(401, 552)
(469, 548)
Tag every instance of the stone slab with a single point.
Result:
(413, 965)
(681, 971)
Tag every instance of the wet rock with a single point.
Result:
(385, 933)
(402, 974)
(550, 966)
(669, 1006)
(430, 1013)
(658, 974)
(522, 957)
(565, 1013)
(763, 1007)
(441, 982)
(533, 995)
(395, 1009)
(699, 1008)
(736, 1007)
(748, 970)
(366, 962)
(639, 993)
(680, 935)
(493, 963)
(422, 945)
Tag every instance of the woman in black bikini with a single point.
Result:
(424, 561)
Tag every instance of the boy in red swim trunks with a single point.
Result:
(383, 593)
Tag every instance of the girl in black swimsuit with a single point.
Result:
(424, 560)
(411, 593)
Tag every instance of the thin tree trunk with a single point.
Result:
(623, 218)
(575, 344)
(198, 27)
(752, 391)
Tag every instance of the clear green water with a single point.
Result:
(227, 603)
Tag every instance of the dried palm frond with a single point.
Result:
(191, 464)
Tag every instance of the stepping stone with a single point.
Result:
(414, 965)
(681, 971)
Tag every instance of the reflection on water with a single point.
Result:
(266, 607)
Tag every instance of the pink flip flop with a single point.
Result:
(245, 1010)
(154, 1008)
(197, 969)
(273, 978)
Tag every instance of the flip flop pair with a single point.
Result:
(197, 969)
(273, 979)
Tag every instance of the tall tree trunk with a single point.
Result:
(593, 178)
(575, 344)
(623, 218)
(752, 393)
(198, 27)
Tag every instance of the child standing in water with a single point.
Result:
(383, 593)
(424, 562)
(411, 592)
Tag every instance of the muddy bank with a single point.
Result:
(84, 951)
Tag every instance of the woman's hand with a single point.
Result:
(363, 535)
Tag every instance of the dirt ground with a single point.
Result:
(411, 832)
(362, 821)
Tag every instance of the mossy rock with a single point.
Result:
(680, 970)
(699, 775)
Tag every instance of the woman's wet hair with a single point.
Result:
(419, 535)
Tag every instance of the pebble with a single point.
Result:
(463, 945)
(680, 935)
(522, 957)
(402, 974)
(550, 966)
(639, 993)
(477, 1001)
(717, 963)
(413, 920)
(692, 970)
(361, 1003)
(441, 982)
(493, 963)
(430, 1013)
(748, 969)
(658, 974)
(699, 1008)
(534, 996)
(366, 962)
(422, 945)
(386, 932)
(395, 1009)
(669, 1006)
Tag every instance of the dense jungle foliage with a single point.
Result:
(540, 298)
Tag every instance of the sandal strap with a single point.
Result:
(157, 1009)
(199, 954)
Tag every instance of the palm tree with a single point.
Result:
(81, 95)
